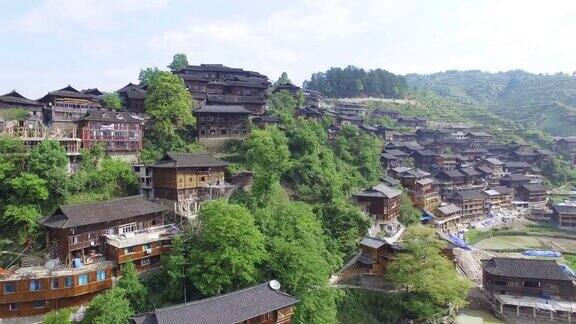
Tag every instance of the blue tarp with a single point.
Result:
(78, 263)
(459, 242)
(542, 253)
(567, 269)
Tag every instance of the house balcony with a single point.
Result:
(143, 236)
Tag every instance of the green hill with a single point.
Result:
(547, 102)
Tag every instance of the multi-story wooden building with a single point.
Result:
(447, 218)
(499, 197)
(221, 122)
(376, 254)
(86, 244)
(81, 232)
(184, 181)
(133, 97)
(514, 180)
(216, 84)
(380, 201)
(13, 100)
(261, 304)
(425, 194)
(529, 278)
(63, 107)
(289, 87)
(471, 204)
(567, 147)
(564, 215)
(535, 194)
(118, 132)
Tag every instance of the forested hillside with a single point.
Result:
(540, 101)
(353, 81)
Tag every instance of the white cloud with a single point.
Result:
(64, 16)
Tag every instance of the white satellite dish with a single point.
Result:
(274, 284)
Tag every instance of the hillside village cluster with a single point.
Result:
(456, 174)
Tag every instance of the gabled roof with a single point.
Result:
(15, 98)
(526, 268)
(515, 177)
(425, 153)
(503, 190)
(469, 171)
(380, 190)
(565, 208)
(189, 160)
(513, 164)
(452, 174)
(389, 181)
(494, 161)
(372, 242)
(93, 91)
(533, 187)
(68, 216)
(234, 307)
(469, 194)
(449, 209)
(69, 92)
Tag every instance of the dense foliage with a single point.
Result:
(111, 307)
(178, 62)
(356, 82)
(546, 102)
(112, 100)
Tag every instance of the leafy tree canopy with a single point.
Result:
(178, 62)
(111, 307)
(147, 75)
(409, 215)
(134, 290)
(112, 100)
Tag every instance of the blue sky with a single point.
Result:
(49, 44)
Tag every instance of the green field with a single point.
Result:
(513, 242)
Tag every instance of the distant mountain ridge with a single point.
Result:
(547, 102)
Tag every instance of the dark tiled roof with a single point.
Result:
(503, 190)
(449, 209)
(109, 116)
(469, 171)
(380, 190)
(372, 242)
(517, 165)
(234, 307)
(216, 98)
(69, 92)
(470, 194)
(425, 153)
(533, 187)
(93, 91)
(389, 181)
(17, 99)
(515, 177)
(526, 268)
(68, 216)
(189, 160)
(566, 209)
(451, 174)
(229, 109)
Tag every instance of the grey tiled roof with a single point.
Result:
(68, 216)
(189, 160)
(526, 268)
(470, 194)
(17, 99)
(372, 242)
(234, 307)
(230, 109)
(449, 209)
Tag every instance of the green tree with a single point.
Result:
(174, 267)
(28, 188)
(283, 79)
(112, 100)
(170, 106)
(431, 279)
(409, 215)
(18, 114)
(178, 62)
(111, 307)
(147, 75)
(268, 156)
(299, 257)
(227, 249)
(61, 316)
(48, 160)
(133, 288)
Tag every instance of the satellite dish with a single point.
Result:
(274, 284)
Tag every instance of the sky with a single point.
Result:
(46, 45)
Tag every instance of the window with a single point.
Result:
(91, 235)
(268, 316)
(127, 228)
(35, 285)
(136, 169)
(55, 283)
(145, 261)
(100, 275)
(38, 303)
(14, 306)
(83, 279)
(68, 282)
(74, 239)
(129, 249)
(147, 246)
(9, 287)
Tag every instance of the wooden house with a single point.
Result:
(528, 277)
(133, 98)
(261, 304)
(216, 122)
(424, 159)
(447, 218)
(118, 132)
(185, 180)
(564, 215)
(412, 122)
(83, 231)
(471, 204)
(514, 180)
(535, 194)
(425, 194)
(499, 197)
(288, 87)
(380, 201)
(63, 107)
(14, 100)
(376, 254)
